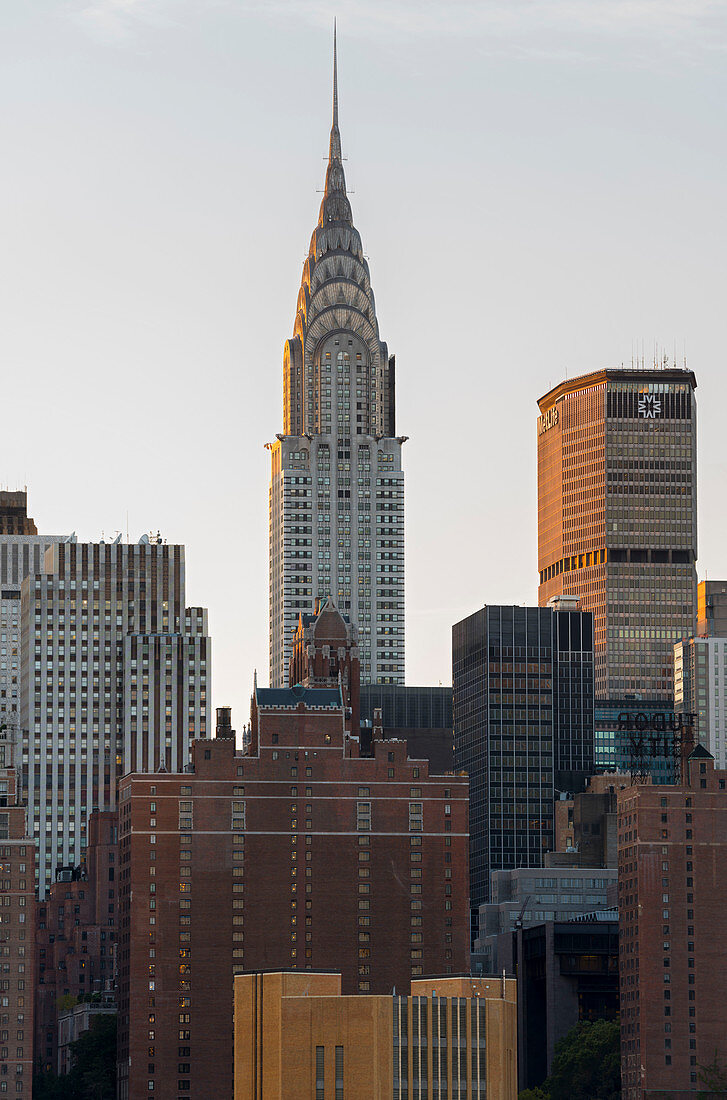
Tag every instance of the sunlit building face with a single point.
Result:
(617, 518)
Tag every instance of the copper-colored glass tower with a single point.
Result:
(617, 518)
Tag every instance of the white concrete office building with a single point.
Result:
(115, 676)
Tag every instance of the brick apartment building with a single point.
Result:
(300, 854)
(14, 518)
(75, 940)
(17, 900)
(673, 917)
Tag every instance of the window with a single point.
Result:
(363, 816)
(339, 1073)
(416, 817)
(320, 1074)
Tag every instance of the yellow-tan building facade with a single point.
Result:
(297, 1038)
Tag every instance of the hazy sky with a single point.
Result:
(540, 188)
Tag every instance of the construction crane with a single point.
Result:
(519, 918)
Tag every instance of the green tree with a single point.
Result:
(93, 1060)
(586, 1065)
(93, 1066)
(713, 1077)
(49, 1086)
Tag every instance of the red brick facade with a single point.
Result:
(17, 922)
(301, 854)
(325, 652)
(76, 934)
(673, 927)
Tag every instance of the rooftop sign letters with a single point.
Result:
(548, 419)
(655, 735)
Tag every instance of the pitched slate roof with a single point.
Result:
(289, 698)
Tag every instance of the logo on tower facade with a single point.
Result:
(649, 406)
(548, 419)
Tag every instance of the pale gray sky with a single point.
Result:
(540, 187)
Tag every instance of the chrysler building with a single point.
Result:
(336, 485)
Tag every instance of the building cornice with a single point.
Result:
(613, 374)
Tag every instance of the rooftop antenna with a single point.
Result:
(335, 75)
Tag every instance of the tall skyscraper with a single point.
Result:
(115, 674)
(22, 552)
(337, 487)
(617, 518)
(523, 727)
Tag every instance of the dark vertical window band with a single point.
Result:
(320, 1074)
(624, 404)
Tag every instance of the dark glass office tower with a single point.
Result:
(523, 727)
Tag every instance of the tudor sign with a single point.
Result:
(548, 419)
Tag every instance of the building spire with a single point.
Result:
(335, 206)
(334, 152)
(335, 76)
